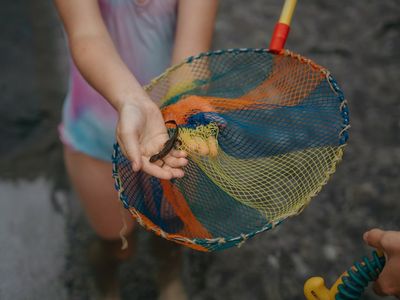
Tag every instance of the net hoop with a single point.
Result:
(220, 243)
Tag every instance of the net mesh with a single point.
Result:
(263, 132)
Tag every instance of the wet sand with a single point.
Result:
(43, 235)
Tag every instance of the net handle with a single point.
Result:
(351, 284)
(282, 28)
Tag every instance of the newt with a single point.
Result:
(168, 146)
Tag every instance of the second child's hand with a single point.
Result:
(388, 242)
(141, 133)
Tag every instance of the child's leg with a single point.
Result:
(168, 256)
(92, 181)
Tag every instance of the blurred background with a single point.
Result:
(43, 233)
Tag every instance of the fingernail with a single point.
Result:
(366, 235)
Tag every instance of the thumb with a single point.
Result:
(130, 144)
(374, 238)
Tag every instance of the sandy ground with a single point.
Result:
(43, 235)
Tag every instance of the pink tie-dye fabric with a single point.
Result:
(143, 33)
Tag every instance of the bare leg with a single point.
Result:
(92, 181)
(169, 259)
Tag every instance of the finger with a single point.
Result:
(171, 162)
(178, 153)
(391, 243)
(121, 146)
(123, 150)
(374, 238)
(161, 171)
(130, 142)
(176, 172)
(155, 148)
(155, 170)
(175, 162)
(160, 163)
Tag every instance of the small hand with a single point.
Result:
(141, 133)
(388, 242)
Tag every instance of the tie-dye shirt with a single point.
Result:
(143, 33)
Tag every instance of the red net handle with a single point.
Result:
(282, 28)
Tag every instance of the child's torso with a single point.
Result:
(143, 34)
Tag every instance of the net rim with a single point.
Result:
(191, 59)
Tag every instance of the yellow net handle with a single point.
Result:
(287, 12)
(315, 289)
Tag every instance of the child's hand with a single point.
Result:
(388, 282)
(141, 133)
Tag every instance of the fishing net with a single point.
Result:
(274, 127)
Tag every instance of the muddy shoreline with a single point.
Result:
(42, 223)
